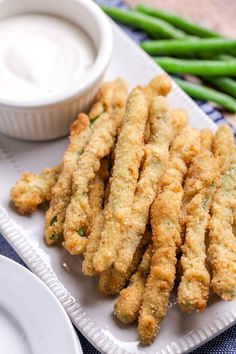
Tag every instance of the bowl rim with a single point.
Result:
(101, 62)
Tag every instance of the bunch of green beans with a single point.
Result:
(199, 51)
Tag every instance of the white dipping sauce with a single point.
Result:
(42, 56)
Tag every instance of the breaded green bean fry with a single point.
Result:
(166, 233)
(157, 153)
(128, 304)
(81, 131)
(102, 140)
(61, 192)
(34, 189)
(193, 291)
(223, 146)
(96, 200)
(160, 85)
(129, 152)
(111, 282)
(222, 248)
(178, 118)
(206, 137)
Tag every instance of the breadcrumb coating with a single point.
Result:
(178, 118)
(61, 192)
(202, 178)
(81, 131)
(166, 234)
(96, 200)
(223, 145)
(163, 128)
(222, 248)
(102, 140)
(156, 153)
(127, 306)
(160, 85)
(33, 189)
(111, 282)
(207, 138)
(128, 155)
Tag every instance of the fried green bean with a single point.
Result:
(78, 212)
(206, 138)
(129, 153)
(193, 291)
(223, 146)
(166, 234)
(61, 192)
(96, 201)
(207, 94)
(152, 26)
(179, 118)
(160, 85)
(34, 189)
(128, 304)
(179, 22)
(157, 152)
(111, 282)
(222, 248)
(81, 131)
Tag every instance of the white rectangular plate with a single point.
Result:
(89, 311)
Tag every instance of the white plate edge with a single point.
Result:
(84, 323)
(32, 276)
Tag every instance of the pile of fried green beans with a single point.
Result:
(184, 48)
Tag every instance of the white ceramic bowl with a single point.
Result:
(51, 118)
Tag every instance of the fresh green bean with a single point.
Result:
(225, 57)
(179, 22)
(198, 67)
(189, 46)
(211, 56)
(206, 94)
(224, 84)
(152, 26)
